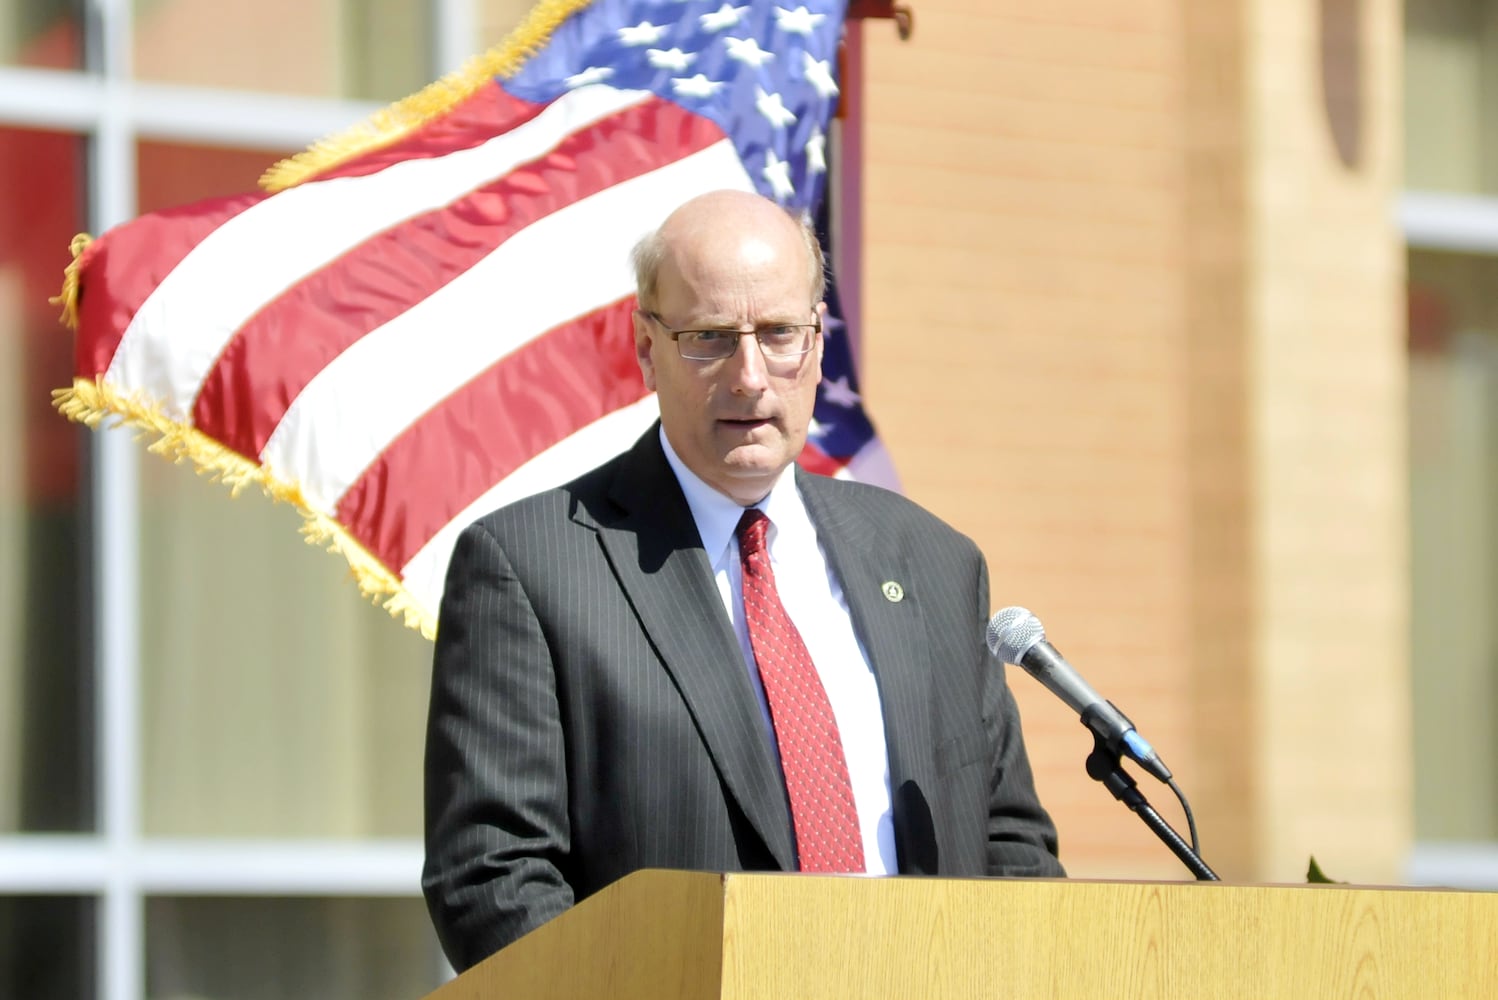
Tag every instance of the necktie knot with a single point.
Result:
(753, 531)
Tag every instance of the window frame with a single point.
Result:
(1464, 224)
(116, 865)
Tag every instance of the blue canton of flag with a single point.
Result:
(765, 73)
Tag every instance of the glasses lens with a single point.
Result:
(788, 341)
(785, 341)
(707, 345)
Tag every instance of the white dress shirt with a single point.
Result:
(814, 599)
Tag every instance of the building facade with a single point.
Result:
(1187, 313)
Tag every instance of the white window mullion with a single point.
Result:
(1458, 223)
(454, 34)
(1458, 865)
(116, 519)
(210, 117)
(73, 102)
(117, 865)
(63, 864)
(59, 100)
(1463, 224)
(280, 867)
(68, 864)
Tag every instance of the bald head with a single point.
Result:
(702, 225)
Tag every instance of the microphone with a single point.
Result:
(1016, 636)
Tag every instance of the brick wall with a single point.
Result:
(1130, 324)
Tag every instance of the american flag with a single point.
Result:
(420, 322)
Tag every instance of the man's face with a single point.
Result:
(736, 423)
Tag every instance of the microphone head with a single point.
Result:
(1011, 634)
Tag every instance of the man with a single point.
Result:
(626, 677)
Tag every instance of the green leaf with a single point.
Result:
(1315, 875)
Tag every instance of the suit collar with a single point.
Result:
(717, 515)
(654, 549)
(890, 623)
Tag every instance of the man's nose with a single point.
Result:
(750, 370)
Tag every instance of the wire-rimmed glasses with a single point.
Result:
(781, 341)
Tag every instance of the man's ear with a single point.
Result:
(643, 330)
(821, 338)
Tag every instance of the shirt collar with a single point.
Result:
(717, 516)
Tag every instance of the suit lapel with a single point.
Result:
(658, 557)
(892, 628)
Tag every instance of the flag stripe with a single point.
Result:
(814, 459)
(564, 461)
(271, 360)
(489, 111)
(398, 373)
(516, 294)
(126, 268)
(149, 248)
(423, 573)
(535, 397)
(329, 217)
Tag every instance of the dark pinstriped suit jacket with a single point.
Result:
(591, 714)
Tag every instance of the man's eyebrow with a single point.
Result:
(786, 320)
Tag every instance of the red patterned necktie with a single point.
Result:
(811, 751)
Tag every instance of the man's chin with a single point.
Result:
(753, 468)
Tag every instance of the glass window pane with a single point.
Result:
(365, 49)
(169, 174)
(1451, 96)
(1454, 543)
(269, 949)
(47, 947)
(276, 701)
(44, 33)
(45, 702)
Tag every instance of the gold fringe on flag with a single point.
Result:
(91, 402)
(68, 297)
(391, 123)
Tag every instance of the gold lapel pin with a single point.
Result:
(893, 592)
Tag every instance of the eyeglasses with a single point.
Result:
(778, 340)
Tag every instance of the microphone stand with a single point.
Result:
(1106, 765)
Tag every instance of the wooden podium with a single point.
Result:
(660, 935)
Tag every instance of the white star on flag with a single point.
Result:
(816, 152)
(774, 109)
(643, 33)
(589, 76)
(799, 21)
(817, 429)
(747, 50)
(673, 59)
(726, 16)
(819, 75)
(695, 86)
(838, 392)
(777, 174)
